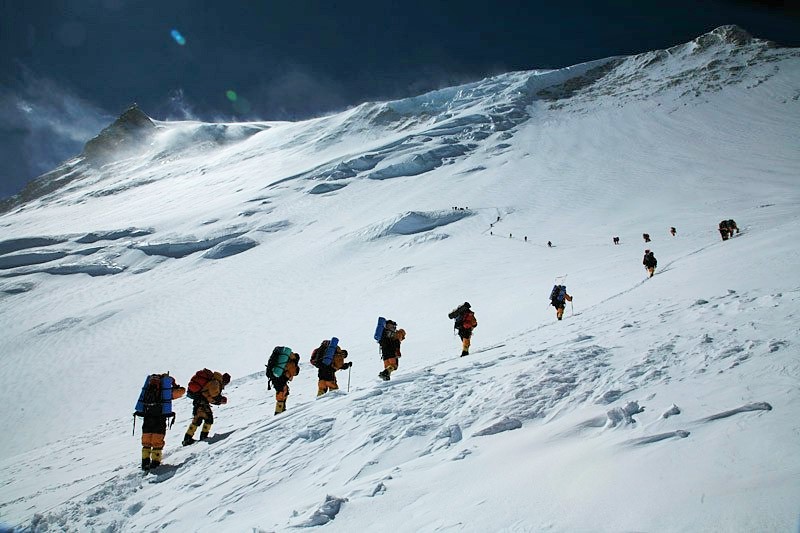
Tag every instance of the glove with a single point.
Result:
(347, 365)
(223, 400)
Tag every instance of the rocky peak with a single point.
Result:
(730, 34)
(130, 131)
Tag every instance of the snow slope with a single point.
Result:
(663, 404)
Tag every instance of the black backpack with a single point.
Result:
(319, 353)
(557, 295)
(151, 398)
(458, 314)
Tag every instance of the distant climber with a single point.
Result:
(559, 299)
(646, 237)
(389, 342)
(616, 240)
(727, 229)
(205, 390)
(328, 360)
(673, 231)
(549, 244)
(464, 323)
(650, 263)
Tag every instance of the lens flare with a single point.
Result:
(231, 95)
(178, 37)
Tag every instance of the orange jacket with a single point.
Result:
(177, 391)
(212, 391)
(292, 366)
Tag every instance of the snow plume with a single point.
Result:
(43, 124)
(179, 108)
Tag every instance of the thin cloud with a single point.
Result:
(296, 93)
(179, 108)
(44, 124)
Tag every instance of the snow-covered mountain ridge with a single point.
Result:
(208, 244)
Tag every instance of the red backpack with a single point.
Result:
(468, 321)
(198, 381)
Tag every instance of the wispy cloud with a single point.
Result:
(295, 93)
(179, 108)
(42, 123)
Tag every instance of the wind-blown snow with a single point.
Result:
(663, 404)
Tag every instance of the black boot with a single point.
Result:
(187, 440)
(154, 465)
(384, 375)
(464, 352)
(204, 435)
(146, 464)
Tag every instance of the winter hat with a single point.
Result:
(466, 304)
(226, 378)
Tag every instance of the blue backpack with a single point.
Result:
(155, 398)
(323, 356)
(379, 329)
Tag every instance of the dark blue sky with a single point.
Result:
(69, 67)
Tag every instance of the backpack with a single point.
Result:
(155, 398)
(318, 354)
(198, 382)
(557, 295)
(379, 329)
(330, 349)
(468, 320)
(276, 365)
(389, 329)
(458, 314)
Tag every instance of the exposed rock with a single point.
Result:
(130, 131)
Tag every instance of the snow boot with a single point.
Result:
(203, 435)
(384, 375)
(187, 440)
(464, 352)
(146, 464)
(155, 459)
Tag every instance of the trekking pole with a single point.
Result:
(349, 369)
(572, 309)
